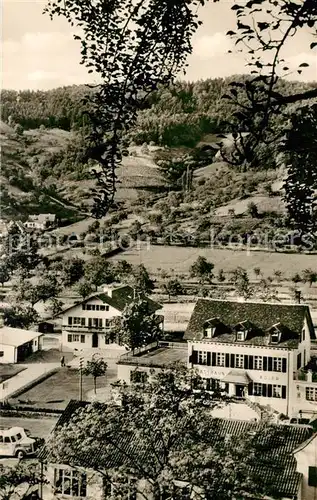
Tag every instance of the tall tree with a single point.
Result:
(19, 317)
(138, 325)
(134, 47)
(96, 367)
(163, 432)
(141, 281)
(202, 269)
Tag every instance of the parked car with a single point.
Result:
(15, 442)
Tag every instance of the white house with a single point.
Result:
(287, 463)
(87, 325)
(254, 350)
(16, 344)
(306, 458)
(41, 221)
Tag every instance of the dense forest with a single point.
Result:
(176, 116)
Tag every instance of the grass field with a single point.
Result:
(181, 258)
(8, 371)
(57, 390)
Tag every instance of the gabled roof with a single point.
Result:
(120, 298)
(275, 464)
(261, 315)
(16, 336)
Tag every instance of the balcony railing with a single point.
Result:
(305, 376)
(86, 328)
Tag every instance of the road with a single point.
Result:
(38, 427)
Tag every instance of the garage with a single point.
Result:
(17, 344)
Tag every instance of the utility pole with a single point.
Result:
(81, 379)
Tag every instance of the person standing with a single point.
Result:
(62, 361)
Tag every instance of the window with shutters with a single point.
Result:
(312, 476)
(277, 364)
(311, 394)
(220, 359)
(277, 391)
(258, 363)
(82, 339)
(239, 361)
(257, 389)
(202, 357)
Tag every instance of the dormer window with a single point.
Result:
(210, 327)
(241, 335)
(275, 333)
(209, 332)
(275, 337)
(242, 330)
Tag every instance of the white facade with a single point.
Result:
(7, 354)
(87, 325)
(264, 374)
(16, 344)
(306, 458)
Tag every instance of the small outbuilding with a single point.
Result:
(17, 344)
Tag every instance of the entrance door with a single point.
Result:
(239, 390)
(95, 339)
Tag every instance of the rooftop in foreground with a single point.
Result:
(159, 357)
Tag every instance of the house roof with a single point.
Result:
(275, 465)
(261, 315)
(120, 298)
(16, 336)
(42, 217)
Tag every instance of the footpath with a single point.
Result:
(31, 373)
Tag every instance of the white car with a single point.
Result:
(14, 442)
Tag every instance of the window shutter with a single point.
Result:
(269, 364)
(312, 476)
(264, 390)
(264, 363)
(194, 358)
(246, 362)
(82, 339)
(250, 362)
(208, 358)
(283, 391)
(269, 390)
(213, 359)
(232, 360)
(83, 321)
(250, 389)
(70, 320)
(227, 363)
(69, 338)
(284, 365)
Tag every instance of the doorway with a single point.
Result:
(239, 390)
(95, 339)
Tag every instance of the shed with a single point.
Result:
(16, 344)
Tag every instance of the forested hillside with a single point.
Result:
(176, 116)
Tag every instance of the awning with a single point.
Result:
(237, 377)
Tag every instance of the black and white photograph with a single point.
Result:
(158, 250)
